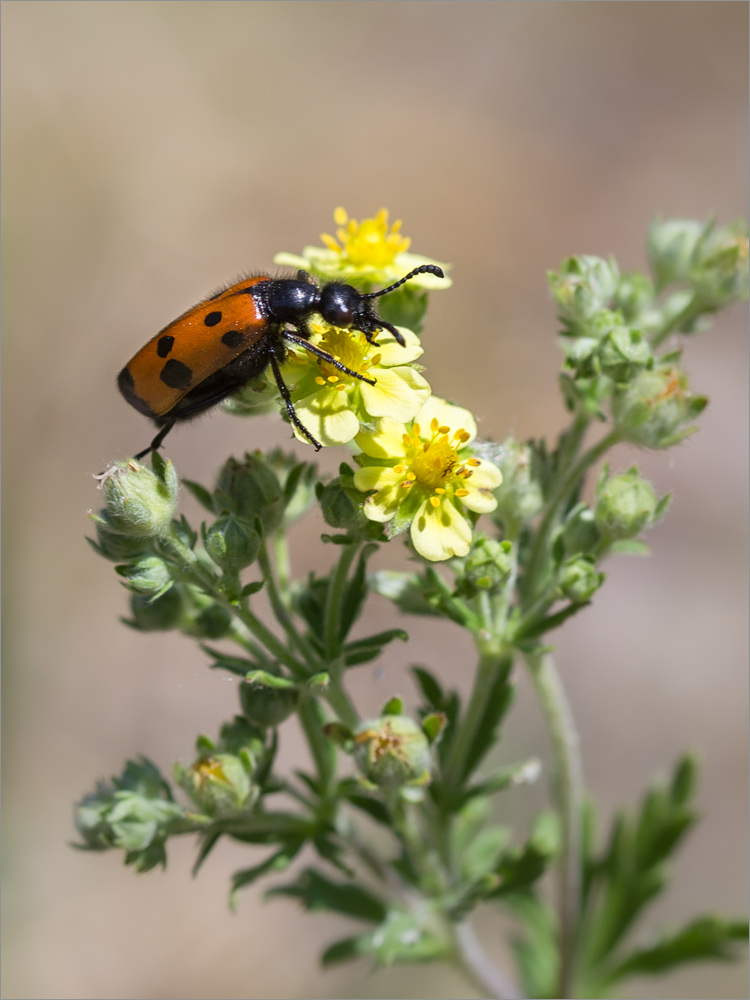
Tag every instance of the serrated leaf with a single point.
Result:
(316, 892)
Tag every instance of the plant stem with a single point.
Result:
(268, 639)
(281, 610)
(283, 568)
(568, 480)
(567, 791)
(312, 720)
(479, 968)
(336, 586)
(336, 696)
(492, 658)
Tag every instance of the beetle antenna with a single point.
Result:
(423, 269)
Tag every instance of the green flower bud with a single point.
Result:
(268, 706)
(342, 504)
(720, 275)
(212, 622)
(149, 575)
(140, 503)
(231, 542)
(392, 751)
(487, 567)
(580, 533)
(519, 496)
(158, 614)
(218, 784)
(112, 544)
(623, 353)
(134, 812)
(250, 489)
(672, 247)
(625, 505)
(634, 296)
(243, 739)
(297, 480)
(579, 580)
(582, 287)
(653, 408)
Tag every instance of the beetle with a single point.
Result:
(230, 338)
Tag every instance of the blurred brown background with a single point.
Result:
(153, 150)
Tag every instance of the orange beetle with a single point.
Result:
(229, 339)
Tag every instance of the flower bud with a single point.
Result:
(250, 489)
(157, 614)
(579, 580)
(720, 275)
(140, 503)
(634, 296)
(342, 504)
(112, 544)
(580, 533)
(243, 739)
(623, 353)
(672, 247)
(134, 812)
(519, 496)
(392, 751)
(487, 567)
(231, 542)
(653, 408)
(218, 784)
(582, 287)
(212, 622)
(265, 705)
(625, 505)
(149, 575)
(297, 480)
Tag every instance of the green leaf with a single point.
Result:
(430, 687)
(549, 622)
(355, 592)
(630, 547)
(379, 639)
(704, 939)
(536, 948)
(523, 773)
(316, 892)
(201, 494)
(346, 950)
(252, 588)
(268, 680)
(394, 706)
(518, 868)
(277, 862)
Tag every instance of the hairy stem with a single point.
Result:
(479, 968)
(567, 790)
(336, 587)
(281, 610)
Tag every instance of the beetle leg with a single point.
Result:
(326, 357)
(290, 405)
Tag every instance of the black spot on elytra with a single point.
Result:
(164, 346)
(125, 380)
(213, 318)
(232, 338)
(176, 375)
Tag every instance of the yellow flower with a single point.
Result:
(332, 404)
(425, 477)
(367, 252)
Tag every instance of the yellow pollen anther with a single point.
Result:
(462, 493)
(434, 501)
(473, 461)
(439, 489)
(416, 429)
(407, 482)
(434, 425)
(336, 357)
(376, 359)
(341, 387)
(399, 469)
(320, 380)
(333, 378)
(444, 430)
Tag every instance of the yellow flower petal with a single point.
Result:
(455, 417)
(387, 441)
(328, 417)
(440, 533)
(392, 353)
(398, 393)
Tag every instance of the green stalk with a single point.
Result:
(492, 657)
(567, 791)
(281, 610)
(336, 696)
(336, 587)
(477, 966)
(268, 639)
(566, 484)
